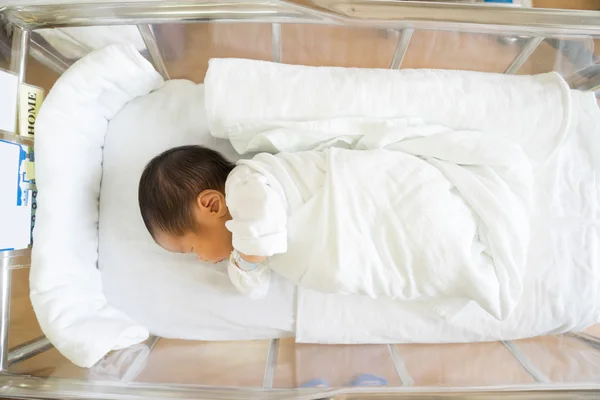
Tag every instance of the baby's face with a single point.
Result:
(211, 243)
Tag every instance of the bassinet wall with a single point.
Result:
(66, 291)
(401, 17)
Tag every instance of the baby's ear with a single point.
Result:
(212, 202)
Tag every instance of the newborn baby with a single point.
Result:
(399, 222)
(193, 200)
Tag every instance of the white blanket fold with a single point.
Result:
(440, 219)
(245, 99)
(435, 209)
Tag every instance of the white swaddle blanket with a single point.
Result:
(431, 213)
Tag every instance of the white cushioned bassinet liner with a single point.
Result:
(77, 148)
(86, 313)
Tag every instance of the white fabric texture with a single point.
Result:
(258, 227)
(254, 103)
(173, 295)
(441, 219)
(561, 279)
(438, 233)
(258, 212)
(251, 283)
(257, 104)
(66, 289)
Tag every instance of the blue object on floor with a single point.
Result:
(361, 380)
(315, 383)
(369, 380)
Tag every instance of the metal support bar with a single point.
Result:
(271, 363)
(14, 259)
(5, 45)
(139, 361)
(420, 14)
(18, 65)
(401, 47)
(153, 50)
(5, 275)
(46, 57)
(577, 52)
(587, 78)
(589, 340)
(399, 366)
(28, 350)
(527, 365)
(276, 42)
(527, 51)
(19, 52)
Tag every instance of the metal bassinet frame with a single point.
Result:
(403, 16)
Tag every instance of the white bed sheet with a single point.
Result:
(562, 282)
(173, 295)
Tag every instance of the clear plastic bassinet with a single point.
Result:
(179, 37)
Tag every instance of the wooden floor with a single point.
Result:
(571, 4)
(242, 363)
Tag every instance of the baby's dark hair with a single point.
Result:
(171, 183)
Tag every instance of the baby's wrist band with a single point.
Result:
(242, 264)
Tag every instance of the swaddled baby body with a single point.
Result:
(379, 223)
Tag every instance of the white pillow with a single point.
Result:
(173, 295)
(66, 289)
